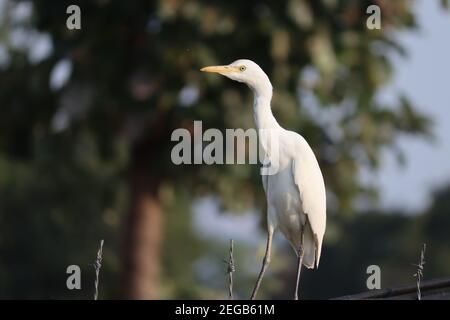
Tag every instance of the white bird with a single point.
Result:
(296, 201)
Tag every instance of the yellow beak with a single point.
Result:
(218, 69)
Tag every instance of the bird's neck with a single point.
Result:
(262, 110)
(266, 124)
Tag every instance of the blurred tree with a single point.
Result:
(87, 115)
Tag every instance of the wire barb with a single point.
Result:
(230, 269)
(420, 268)
(97, 266)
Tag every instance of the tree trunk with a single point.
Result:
(143, 237)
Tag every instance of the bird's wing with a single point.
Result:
(309, 180)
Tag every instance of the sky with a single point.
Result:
(425, 77)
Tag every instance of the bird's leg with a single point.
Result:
(299, 267)
(265, 263)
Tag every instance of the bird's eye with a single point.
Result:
(242, 68)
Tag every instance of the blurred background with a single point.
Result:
(86, 118)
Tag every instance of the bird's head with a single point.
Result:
(245, 71)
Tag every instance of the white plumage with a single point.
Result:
(296, 201)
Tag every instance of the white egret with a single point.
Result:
(296, 202)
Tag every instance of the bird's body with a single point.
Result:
(293, 183)
(285, 207)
